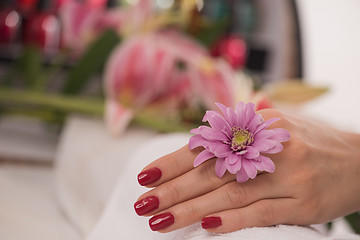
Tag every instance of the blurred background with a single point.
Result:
(102, 69)
(54, 56)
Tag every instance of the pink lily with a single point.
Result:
(144, 71)
(84, 21)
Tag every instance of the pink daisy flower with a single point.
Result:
(237, 138)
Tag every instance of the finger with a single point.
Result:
(168, 167)
(192, 184)
(267, 212)
(229, 196)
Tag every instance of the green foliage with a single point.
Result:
(354, 221)
(91, 62)
(210, 32)
(30, 66)
(24, 88)
(26, 69)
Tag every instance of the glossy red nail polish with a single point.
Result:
(161, 221)
(143, 206)
(149, 176)
(211, 222)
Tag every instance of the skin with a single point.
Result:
(315, 181)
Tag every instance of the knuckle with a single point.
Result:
(192, 211)
(172, 192)
(236, 194)
(208, 174)
(266, 215)
(301, 147)
(311, 209)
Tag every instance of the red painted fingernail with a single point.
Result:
(161, 221)
(149, 176)
(211, 222)
(143, 206)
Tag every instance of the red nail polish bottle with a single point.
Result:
(10, 22)
(26, 7)
(42, 29)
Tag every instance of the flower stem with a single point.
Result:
(91, 106)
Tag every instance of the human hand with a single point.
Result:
(314, 182)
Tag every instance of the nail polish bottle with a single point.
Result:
(26, 7)
(10, 22)
(42, 29)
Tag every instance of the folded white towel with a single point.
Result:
(119, 220)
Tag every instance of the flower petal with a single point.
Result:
(258, 164)
(276, 149)
(216, 121)
(264, 134)
(266, 124)
(222, 108)
(241, 175)
(209, 133)
(220, 150)
(239, 109)
(249, 113)
(251, 152)
(197, 141)
(117, 117)
(231, 116)
(220, 167)
(267, 164)
(280, 135)
(263, 144)
(228, 113)
(232, 159)
(233, 168)
(202, 157)
(249, 168)
(255, 122)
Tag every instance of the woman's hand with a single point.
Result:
(316, 180)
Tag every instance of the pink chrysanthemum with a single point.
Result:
(237, 139)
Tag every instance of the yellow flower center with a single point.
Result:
(241, 139)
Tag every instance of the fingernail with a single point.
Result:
(211, 222)
(143, 206)
(161, 221)
(149, 176)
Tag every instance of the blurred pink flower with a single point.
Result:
(78, 21)
(238, 138)
(84, 21)
(232, 49)
(162, 66)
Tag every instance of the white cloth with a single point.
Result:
(88, 164)
(119, 220)
(28, 206)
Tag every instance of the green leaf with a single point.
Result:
(354, 220)
(29, 66)
(91, 62)
(210, 31)
(61, 103)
